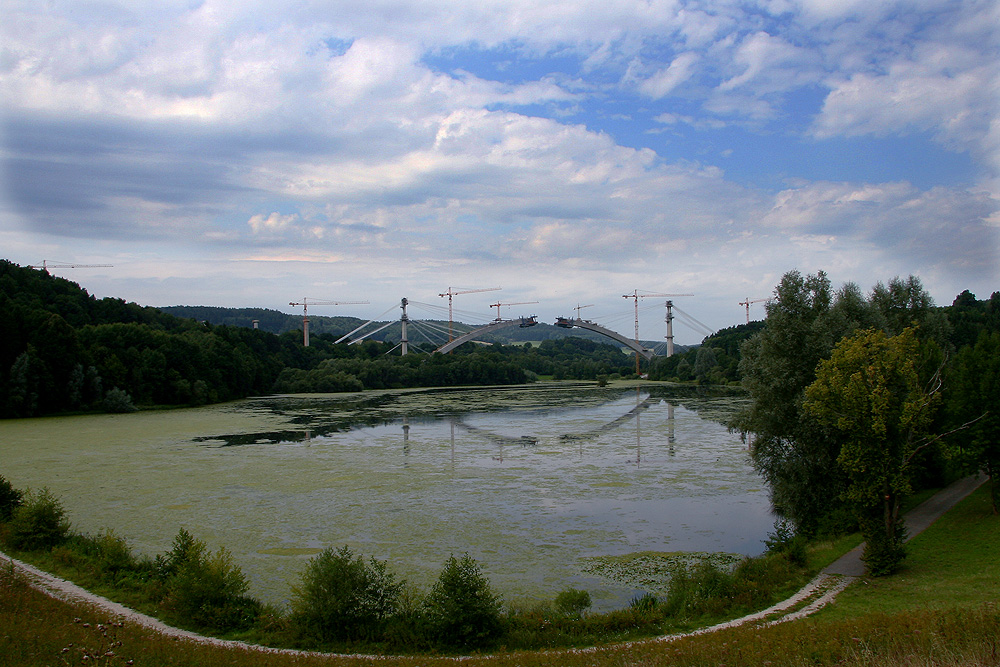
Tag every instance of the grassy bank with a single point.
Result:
(942, 609)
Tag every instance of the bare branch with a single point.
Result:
(931, 441)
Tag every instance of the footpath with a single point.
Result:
(818, 593)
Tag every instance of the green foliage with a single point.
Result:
(184, 550)
(118, 401)
(791, 451)
(794, 450)
(207, 590)
(871, 391)
(707, 590)
(10, 499)
(572, 602)
(39, 522)
(785, 542)
(973, 385)
(462, 610)
(343, 598)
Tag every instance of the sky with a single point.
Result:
(250, 154)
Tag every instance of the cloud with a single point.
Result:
(568, 142)
(676, 73)
(273, 223)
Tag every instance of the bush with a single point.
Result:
(39, 522)
(461, 609)
(882, 554)
(572, 602)
(707, 590)
(343, 598)
(206, 590)
(10, 499)
(184, 550)
(118, 401)
(784, 541)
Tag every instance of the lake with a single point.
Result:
(535, 482)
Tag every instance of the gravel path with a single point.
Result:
(818, 593)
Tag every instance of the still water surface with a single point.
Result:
(531, 481)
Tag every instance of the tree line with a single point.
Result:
(859, 400)
(63, 350)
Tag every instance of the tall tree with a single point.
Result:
(974, 396)
(790, 450)
(871, 391)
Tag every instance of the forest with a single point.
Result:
(63, 350)
(859, 401)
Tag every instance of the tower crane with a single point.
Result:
(316, 302)
(579, 308)
(515, 303)
(47, 264)
(747, 304)
(635, 296)
(452, 292)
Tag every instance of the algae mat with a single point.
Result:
(531, 481)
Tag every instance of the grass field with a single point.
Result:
(941, 609)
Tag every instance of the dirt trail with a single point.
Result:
(818, 593)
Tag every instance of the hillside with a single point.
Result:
(63, 350)
(277, 322)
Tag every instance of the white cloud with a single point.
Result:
(236, 126)
(273, 223)
(676, 73)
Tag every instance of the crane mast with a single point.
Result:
(451, 293)
(747, 304)
(635, 296)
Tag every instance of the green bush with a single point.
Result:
(882, 554)
(39, 522)
(10, 499)
(461, 610)
(710, 591)
(184, 550)
(572, 602)
(206, 590)
(784, 541)
(343, 598)
(118, 401)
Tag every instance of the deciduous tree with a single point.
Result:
(871, 391)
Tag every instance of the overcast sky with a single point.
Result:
(254, 153)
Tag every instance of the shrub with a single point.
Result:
(784, 541)
(118, 401)
(343, 598)
(39, 522)
(572, 602)
(206, 590)
(882, 554)
(461, 609)
(10, 499)
(184, 550)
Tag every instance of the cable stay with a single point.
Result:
(694, 323)
(351, 333)
(371, 333)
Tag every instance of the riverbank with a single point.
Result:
(976, 618)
